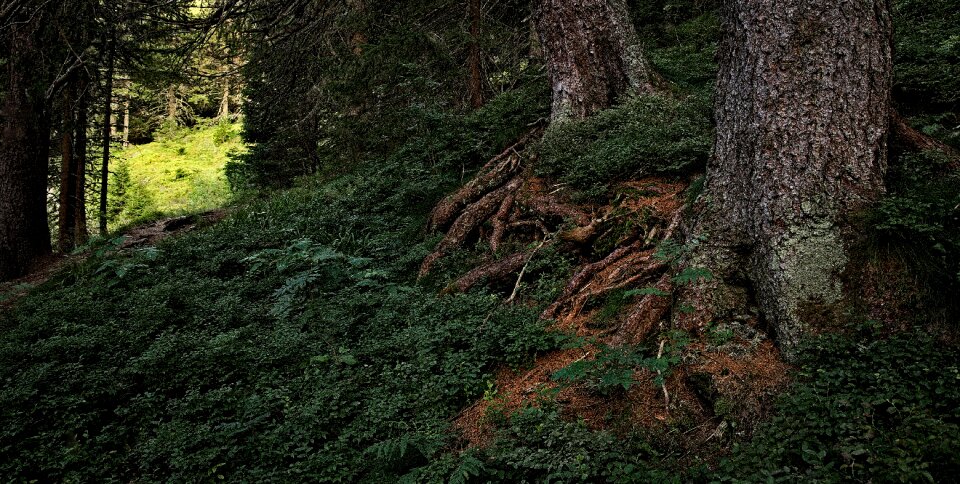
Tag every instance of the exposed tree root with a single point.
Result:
(645, 316)
(496, 271)
(548, 206)
(471, 218)
(910, 138)
(495, 173)
(627, 266)
(522, 210)
(584, 275)
(500, 221)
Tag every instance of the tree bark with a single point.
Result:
(80, 157)
(126, 118)
(224, 111)
(592, 53)
(24, 234)
(68, 173)
(107, 113)
(172, 105)
(802, 110)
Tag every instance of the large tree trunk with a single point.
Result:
(24, 234)
(224, 111)
(592, 53)
(802, 116)
(172, 105)
(126, 118)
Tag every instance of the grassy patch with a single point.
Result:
(181, 172)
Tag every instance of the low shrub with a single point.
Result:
(646, 135)
(864, 410)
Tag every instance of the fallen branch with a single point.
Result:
(516, 287)
(666, 394)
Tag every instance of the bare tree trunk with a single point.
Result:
(24, 137)
(80, 157)
(68, 173)
(225, 102)
(476, 71)
(107, 113)
(802, 116)
(592, 53)
(126, 118)
(171, 105)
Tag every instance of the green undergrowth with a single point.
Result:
(919, 221)
(867, 409)
(289, 342)
(182, 171)
(646, 135)
(927, 56)
(863, 409)
(537, 444)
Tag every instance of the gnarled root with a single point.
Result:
(644, 318)
(905, 135)
(584, 275)
(500, 221)
(546, 205)
(495, 173)
(495, 271)
(470, 219)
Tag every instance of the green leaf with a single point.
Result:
(692, 274)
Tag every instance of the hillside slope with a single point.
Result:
(293, 341)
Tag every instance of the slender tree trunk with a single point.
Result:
(171, 105)
(225, 101)
(68, 173)
(592, 53)
(126, 118)
(107, 113)
(80, 156)
(802, 116)
(476, 71)
(24, 138)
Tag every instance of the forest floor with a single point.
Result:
(136, 237)
(538, 336)
(163, 188)
(618, 301)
